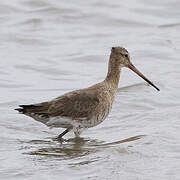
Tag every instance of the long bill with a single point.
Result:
(133, 68)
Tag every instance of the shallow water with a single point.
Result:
(48, 48)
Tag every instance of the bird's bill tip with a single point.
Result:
(133, 68)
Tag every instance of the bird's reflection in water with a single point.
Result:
(66, 149)
(71, 148)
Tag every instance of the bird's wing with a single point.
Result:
(77, 104)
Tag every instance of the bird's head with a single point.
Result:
(120, 58)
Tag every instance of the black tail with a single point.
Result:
(23, 108)
(41, 108)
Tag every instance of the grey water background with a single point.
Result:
(50, 47)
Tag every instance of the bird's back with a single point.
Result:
(84, 105)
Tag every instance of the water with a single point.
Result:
(48, 48)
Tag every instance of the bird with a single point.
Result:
(84, 108)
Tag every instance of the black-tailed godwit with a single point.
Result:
(87, 107)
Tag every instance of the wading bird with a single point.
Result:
(87, 107)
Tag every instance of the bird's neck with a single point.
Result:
(113, 74)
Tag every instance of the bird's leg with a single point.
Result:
(63, 133)
(78, 131)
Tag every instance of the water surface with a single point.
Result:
(48, 48)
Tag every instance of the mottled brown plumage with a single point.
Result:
(83, 108)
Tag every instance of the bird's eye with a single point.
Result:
(125, 55)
